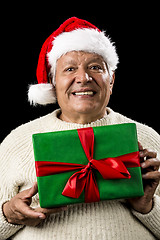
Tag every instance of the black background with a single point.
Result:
(132, 26)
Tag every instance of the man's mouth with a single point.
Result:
(84, 92)
(90, 93)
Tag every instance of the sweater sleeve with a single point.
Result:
(9, 184)
(7, 229)
(151, 139)
(152, 219)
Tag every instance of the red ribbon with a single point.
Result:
(109, 168)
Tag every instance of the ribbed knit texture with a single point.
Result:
(107, 220)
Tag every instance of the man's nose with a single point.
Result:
(82, 76)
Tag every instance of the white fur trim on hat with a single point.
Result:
(85, 39)
(42, 93)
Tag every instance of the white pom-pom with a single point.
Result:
(43, 94)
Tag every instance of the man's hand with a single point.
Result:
(151, 178)
(18, 210)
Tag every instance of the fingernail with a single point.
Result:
(143, 176)
(141, 154)
(143, 165)
(42, 216)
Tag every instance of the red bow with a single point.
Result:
(109, 168)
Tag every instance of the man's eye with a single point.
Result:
(96, 67)
(70, 69)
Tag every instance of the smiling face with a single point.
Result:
(83, 86)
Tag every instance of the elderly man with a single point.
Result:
(76, 67)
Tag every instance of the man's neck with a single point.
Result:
(81, 118)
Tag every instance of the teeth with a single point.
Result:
(84, 93)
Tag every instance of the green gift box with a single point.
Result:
(87, 165)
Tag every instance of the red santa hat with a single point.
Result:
(73, 35)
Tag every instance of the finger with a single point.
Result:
(21, 219)
(48, 211)
(152, 176)
(151, 162)
(140, 150)
(32, 191)
(28, 212)
(140, 146)
(148, 153)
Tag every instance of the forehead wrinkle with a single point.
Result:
(80, 57)
(69, 61)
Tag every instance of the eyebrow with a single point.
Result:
(96, 59)
(89, 61)
(68, 62)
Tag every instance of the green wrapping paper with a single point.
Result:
(110, 142)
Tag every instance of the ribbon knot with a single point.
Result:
(88, 167)
(85, 178)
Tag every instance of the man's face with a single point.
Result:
(82, 83)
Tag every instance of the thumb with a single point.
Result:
(32, 191)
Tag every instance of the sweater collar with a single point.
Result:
(62, 125)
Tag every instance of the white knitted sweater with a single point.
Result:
(111, 220)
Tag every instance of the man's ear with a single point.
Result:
(112, 82)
